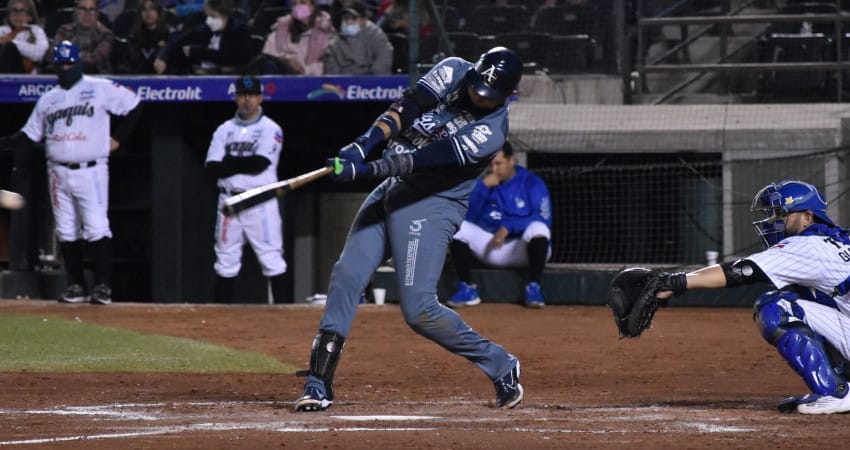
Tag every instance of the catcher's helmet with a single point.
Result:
(66, 52)
(775, 201)
(496, 74)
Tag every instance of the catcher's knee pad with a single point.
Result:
(774, 309)
(324, 357)
(808, 354)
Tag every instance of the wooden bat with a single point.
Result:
(252, 197)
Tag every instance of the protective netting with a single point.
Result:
(667, 209)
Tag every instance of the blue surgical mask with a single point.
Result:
(349, 29)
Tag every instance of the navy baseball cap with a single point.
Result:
(249, 85)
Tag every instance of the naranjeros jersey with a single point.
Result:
(474, 140)
(238, 138)
(74, 123)
(812, 260)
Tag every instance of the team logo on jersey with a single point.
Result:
(416, 226)
(490, 75)
(481, 133)
(278, 137)
(520, 202)
(67, 114)
(240, 148)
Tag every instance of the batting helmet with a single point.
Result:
(496, 74)
(775, 201)
(66, 52)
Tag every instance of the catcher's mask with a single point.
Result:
(775, 201)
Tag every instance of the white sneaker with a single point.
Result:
(826, 405)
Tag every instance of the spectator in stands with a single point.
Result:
(361, 47)
(396, 19)
(148, 36)
(337, 6)
(22, 41)
(299, 39)
(217, 46)
(93, 38)
(508, 224)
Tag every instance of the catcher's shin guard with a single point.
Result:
(807, 352)
(324, 357)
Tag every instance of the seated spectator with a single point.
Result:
(217, 46)
(22, 42)
(148, 36)
(508, 224)
(93, 38)
(361, 47)
(298, 40)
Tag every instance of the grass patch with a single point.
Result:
(53, 344)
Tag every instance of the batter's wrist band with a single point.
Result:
(390, 122)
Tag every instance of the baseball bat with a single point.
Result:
(252, 197)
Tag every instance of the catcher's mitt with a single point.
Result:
(632, 298)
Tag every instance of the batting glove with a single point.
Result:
(354, 152)
(345, 170)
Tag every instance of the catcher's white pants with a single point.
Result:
(513, 253)
(261, 226)
(830, 323)
(80, 199)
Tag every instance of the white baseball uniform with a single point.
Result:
(74, 124)
(816, 262)
(260, 224)
(513, 253)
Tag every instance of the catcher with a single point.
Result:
(807, 316)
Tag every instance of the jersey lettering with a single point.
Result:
(68, 114)
(240, 148)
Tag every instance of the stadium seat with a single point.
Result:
(467, 45)
(450, 16)
(566, 20)
(532, 47)
(496, 19)
(574, 53)
(785, 48)
(123, 24)
(400, 51)
(265, 17)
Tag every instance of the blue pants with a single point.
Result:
(415, 229)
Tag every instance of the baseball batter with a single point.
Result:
(438, 138)
(807, 317)
(244, 154)
(73, 120)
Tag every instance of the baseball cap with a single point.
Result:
(248, 85)
(356, 9)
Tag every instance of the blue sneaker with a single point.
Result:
(466, 295)
(533, 296)
(508, 390)
(312, 400)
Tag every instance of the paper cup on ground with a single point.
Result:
(380, 295)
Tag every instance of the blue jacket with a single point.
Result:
(513, 204)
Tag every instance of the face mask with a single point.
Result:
(349, 29)
(216, 24)
(301, 12)
(68, 78)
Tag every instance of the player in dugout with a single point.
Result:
(508, 225)
(436, 141)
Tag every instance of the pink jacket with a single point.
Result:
(307, 52)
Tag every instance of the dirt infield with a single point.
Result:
(701, 378)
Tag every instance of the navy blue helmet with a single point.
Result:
(496, 74)
(66, 52)
(776, 200)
